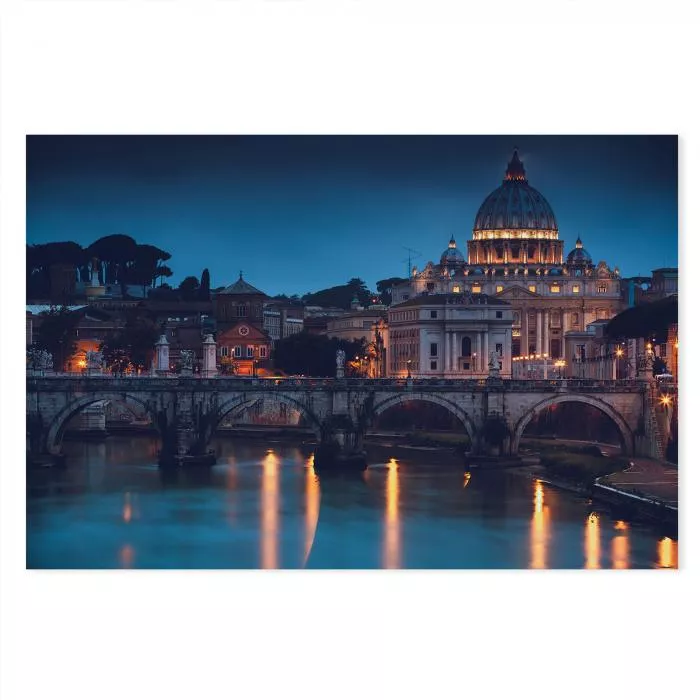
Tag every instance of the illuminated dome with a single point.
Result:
(579, 255)
(515, 205)
(452, 254)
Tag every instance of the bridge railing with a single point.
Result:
(360, 383)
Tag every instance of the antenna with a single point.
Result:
(408, 259)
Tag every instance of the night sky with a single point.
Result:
(298, 214)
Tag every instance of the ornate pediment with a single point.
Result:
(516, 292)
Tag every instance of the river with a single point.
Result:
(263, 506)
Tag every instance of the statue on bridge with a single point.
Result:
(187, 361)
(39, 360)
(340, 364)
(94, 361)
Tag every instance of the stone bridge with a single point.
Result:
(187, 410)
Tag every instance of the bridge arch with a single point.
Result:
(240, 402)
(625, 431)
(57, 426)
(453, 408)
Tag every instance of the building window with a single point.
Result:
(237, 351)
(433, 349)
(516, 318)
(431, 286)
(532, 288)
(456, 289)
(476, 288)
(499, 288)
(499, 348)
(240, 310)
(433, 313)
(466, 346)
(555, 289)
(223, 351)
(574, 319)
(576, 289)
(263, 351)
(465, 365)
(499, 314)
(404, 297)
(250, 351)
(433, 364)
(602, 289)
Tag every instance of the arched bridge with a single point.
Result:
(187, 410)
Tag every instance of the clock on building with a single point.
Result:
(244, 330)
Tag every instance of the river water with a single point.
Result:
(262, 506)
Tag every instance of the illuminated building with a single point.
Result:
(449, 335)
(516, 256)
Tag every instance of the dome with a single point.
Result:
(515, 205)
(579, 255)
(452, 254)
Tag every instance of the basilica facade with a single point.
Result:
(516, 256)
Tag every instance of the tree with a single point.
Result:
(340, 296)
(56, 334)
(163, 271)
(384, 288)
(114, 252)
(313, 355)
(204, 285)
(131, 345)
(188, 288)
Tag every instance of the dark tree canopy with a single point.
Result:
(646, 320)
(131, 345)
(384, 288)
(205, 285)
(56, 334)
(188, 288)
(313, 355)
(340, 296)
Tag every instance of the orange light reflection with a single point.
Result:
(668, 553)
(313, 502)
(126, 556)
(539, 530)
(270, 515)
(592, 542)
(127, 512)
(392, 525)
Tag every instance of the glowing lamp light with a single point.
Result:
(665, 400)
(618, 352)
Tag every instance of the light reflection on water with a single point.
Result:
(265, 507)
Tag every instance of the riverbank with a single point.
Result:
(639, 488)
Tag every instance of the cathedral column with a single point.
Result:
(456, 351)
(485, 365)
(476, 364)
(538, 333)
(448, 352)
(546, 332)
(524, 345)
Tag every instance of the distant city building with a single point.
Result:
(358, 323)
(516, 256)
(454, 335)
(243, 344)
(280, 320)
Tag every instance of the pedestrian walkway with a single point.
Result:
(650, 478)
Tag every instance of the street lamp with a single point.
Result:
(255, 365)
(408, 369)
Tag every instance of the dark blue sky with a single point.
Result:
(297, 214)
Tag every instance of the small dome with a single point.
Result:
(452, 254)
(579, 255)
(515, 205)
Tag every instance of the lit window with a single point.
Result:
(455, 289)
(499, 288)
(555, 289)
(476, 288)
(576, 289)
(532, 288)
(602, 289)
